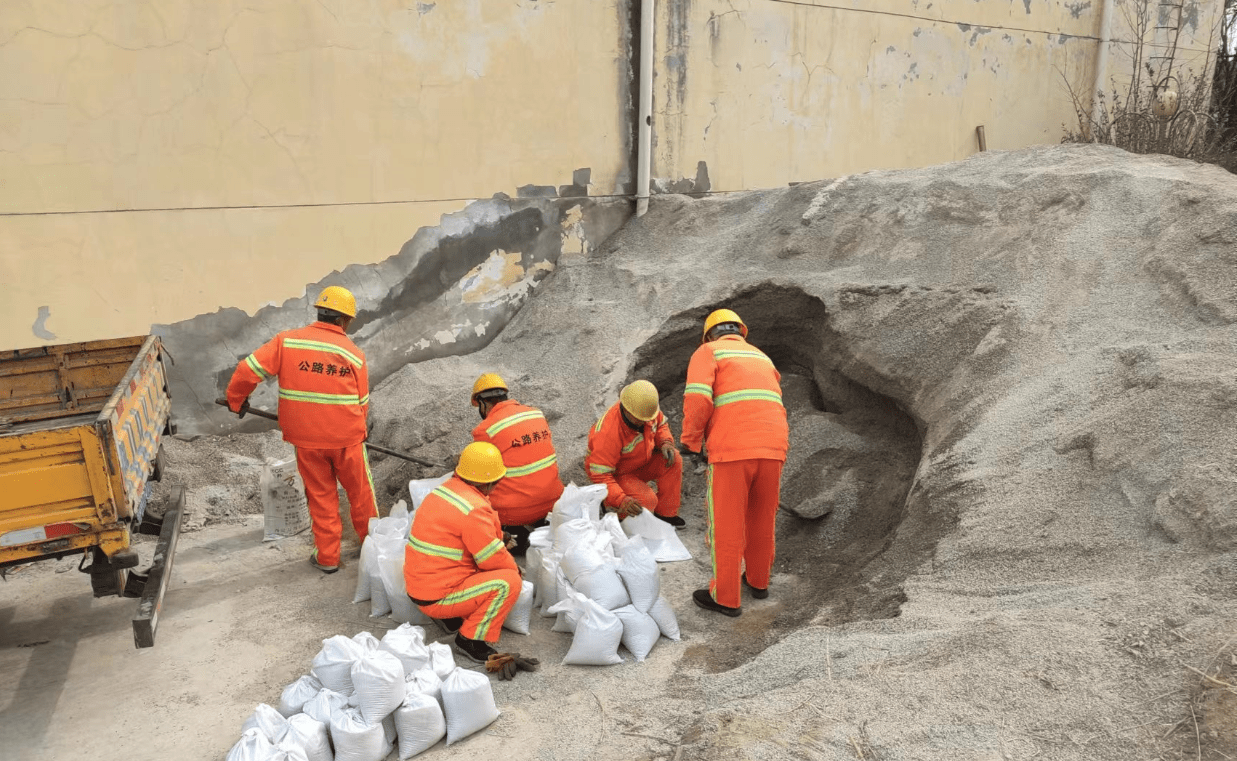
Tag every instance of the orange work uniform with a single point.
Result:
(455, 564)
(323, 403)
(626, 460)
(531, 487)
(733, 406)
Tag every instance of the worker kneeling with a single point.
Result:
(630, 446)
(528, 492)
(456, 565)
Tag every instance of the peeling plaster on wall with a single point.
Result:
(40, 325)
(1076, 9)
(424, 8)
(450, 290)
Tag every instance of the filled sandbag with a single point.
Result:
(311, 735)
(603, 586)
(294, 697)
(662, 540)
(467, 703)
(379, 605)
(577, 502)
(288, 749)
(284, 505)
(332, 666)
(426, 682)
(325, 704)
(612, 527)
(364, 579)
(597, 637)
(542, 538)
(253, 746)
(368, 642)
(532, 573)
(442, 660)
(663, 614)
(547, 581)
(579, 559)
(640, 631)
(569, 608)
(420, 489)
(390, 565)
(407, 642)
(420, 724)
(378, 679)
(389, 736)
(639, 573)
(270, 722)
(354, 739)
(573, 534)
(521, 613)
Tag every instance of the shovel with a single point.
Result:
(368, 445)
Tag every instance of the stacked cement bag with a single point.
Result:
(599, 577)
(365, 697)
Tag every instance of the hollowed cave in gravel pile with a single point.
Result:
(853, 453)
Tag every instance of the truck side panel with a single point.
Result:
(51, 382)
(132, 425)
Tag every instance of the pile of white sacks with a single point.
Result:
(365, 698)
(599, 577)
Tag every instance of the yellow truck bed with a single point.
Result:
(80, 431)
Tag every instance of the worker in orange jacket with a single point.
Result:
(732, 408)
(456, 565)
(323, 405)
(630, 446)
(528, 492)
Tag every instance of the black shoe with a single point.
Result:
(449, 625)
(705, 600)
(474, 649)
(758, 593)
(313, 560)
(673, 520)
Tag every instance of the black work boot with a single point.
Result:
(703, 599)
(474, 649)
(757, 592)
(449, 625)
(673, 520)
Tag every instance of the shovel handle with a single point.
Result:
(251, 411)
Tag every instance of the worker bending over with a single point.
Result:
(628, 447)
(733, 407)
(456, 565)
(323, 405)
(528, 492)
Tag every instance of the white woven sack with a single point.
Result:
(639, 573)
(420, 489)
(548, 582)
(284, 505)
(663, 614)
(569, 608)
(603, 585)
(518, 619)
(442, 661)
(325, 705)
(311, 736)
(532, 574)
(426, 682)
(354, 739)
(294, 697)
(579, 559)
(253, 746)
(640, 631)
(363, 578)
(542, 538)
(407, 642)
(389, 736)
(420, 724)
(662, 540)
(612, 527)
(597, 638)
(268, 721)
(391, 572)
(378, 679)
(578, 502)
(368, 642)
(573, 533)
(467, 703)
(379, 605)
(288, 749)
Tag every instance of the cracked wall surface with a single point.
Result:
(767, 93)
(164, 159)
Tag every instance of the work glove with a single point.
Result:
(629, 507)
(508, 541)
(503, 665)
(243, 409)
(667, 451)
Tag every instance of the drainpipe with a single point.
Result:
(644, 158)
(1101, 67)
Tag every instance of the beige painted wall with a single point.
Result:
(769, 92)
(371, 110)
(163, 159)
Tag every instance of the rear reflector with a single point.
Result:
(41, 533)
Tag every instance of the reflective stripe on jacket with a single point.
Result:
(733, 403)
(614, 448)
(455, 534)
(522, 434)
(323, 385)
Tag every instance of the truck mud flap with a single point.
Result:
(151, 603)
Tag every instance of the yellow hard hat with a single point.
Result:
(487, 382)
(639, 398)
(339, 299)
(720, 316)
(481, 463)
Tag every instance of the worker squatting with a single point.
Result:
(460, 564)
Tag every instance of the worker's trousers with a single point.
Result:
(522, 515)
(669, 480)
(742, 506)
(483, 600)
(320, 469)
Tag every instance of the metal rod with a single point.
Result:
(983, 140)
(644, 158)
